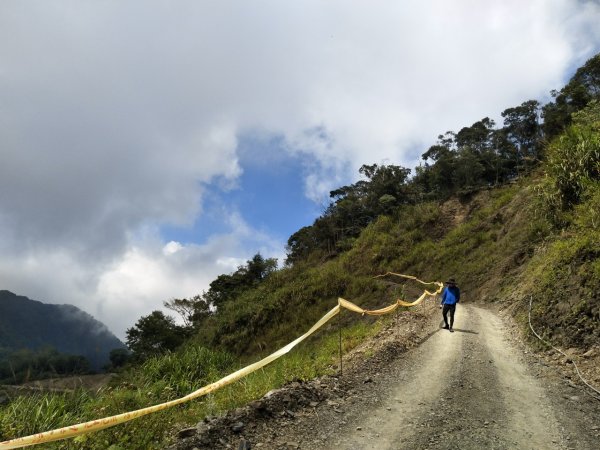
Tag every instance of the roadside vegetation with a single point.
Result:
(166, 377)
(510, 212)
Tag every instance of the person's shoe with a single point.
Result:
(445, 327)
(451, 330)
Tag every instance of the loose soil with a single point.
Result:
(417, 386)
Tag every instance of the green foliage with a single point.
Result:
(184, 371)
(572, 168)
(29, 414)
(586, 215)
(563, 280)
(588, 116)
(275, 306)
(154, 334)
(227, 287)
(480, 155)
(25, 365)
(192, 311)
(583, 87)
(523, 130)
(563, 277)
(164, 378)
(353, 207)
(463, 163)
(424, 239)
(119, 357)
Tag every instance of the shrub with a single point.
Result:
(573, 166)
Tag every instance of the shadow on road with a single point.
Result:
(465, 331)
(458, 329)
(427, 336)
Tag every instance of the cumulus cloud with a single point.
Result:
(115, 115)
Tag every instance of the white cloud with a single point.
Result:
(151, 272)
(114, 115)
(171, 247)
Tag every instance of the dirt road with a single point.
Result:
(466, 389)
(475, 388)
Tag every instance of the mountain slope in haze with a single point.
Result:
(30, 324)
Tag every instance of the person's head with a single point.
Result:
(451, 282)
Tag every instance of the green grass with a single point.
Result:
(29, 414)
(165, 378)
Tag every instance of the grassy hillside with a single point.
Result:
(479, 241)
(563, 276)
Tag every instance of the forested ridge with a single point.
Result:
(39, 340)
(511, 210)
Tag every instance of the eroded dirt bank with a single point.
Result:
(423, 388)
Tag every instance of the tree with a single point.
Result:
(439, 175)
(479, 162)
(469, 170)
(154, 334)
(259, 268)
(507, 156)
(119, 357)
(193, 311)
(477, 137)
(362, 199)
(445, 145)
(300, 244)
(25, 365)
(184, 307)
(385, 180)
(523, 130)
(352, 208)
(226, 287)
(583, 87)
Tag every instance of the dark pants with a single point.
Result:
(451, 309)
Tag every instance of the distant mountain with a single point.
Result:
(26, 323)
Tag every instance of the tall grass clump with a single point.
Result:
(572, 167)
(184, 371)
(29, 414)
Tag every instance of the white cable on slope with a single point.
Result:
(562, 353)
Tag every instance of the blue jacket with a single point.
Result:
(451, 295)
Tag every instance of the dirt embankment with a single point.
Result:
(418, 386)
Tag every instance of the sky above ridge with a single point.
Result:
(148, 146)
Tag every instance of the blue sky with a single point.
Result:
(269, 194)
(149, 146)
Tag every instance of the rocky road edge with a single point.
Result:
(263, 422)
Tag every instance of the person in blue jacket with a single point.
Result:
(450, 297)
